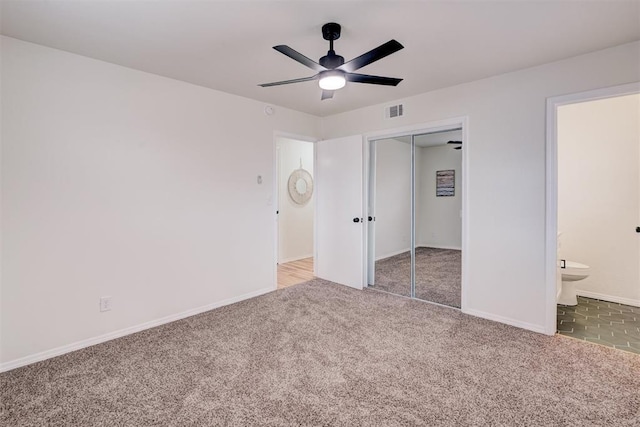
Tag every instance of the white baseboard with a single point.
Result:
(389, 255)
(427, 245)
(296, 258)
(619, 300)
(48, 354)
(506, 320)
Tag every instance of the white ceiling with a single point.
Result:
(226, 45)
(438, 138)
(432, 139)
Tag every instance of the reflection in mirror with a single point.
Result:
(390, 204)
(438, 222)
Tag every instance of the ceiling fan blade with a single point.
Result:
(327, 94)
(375, 80)
(297, 56)
(373, 55)
(286, 82)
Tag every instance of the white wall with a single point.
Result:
(505, 257)
(599, 194)
(121, 183)
(295, 222)
(392, 198)
(438, 220)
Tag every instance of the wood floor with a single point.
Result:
(295, 272)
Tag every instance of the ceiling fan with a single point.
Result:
(458, 143)
(333, 72)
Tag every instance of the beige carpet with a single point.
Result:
(438, 275)
(323, 354)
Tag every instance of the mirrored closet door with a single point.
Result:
(415, 211)
(390, 216)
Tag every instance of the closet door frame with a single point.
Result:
(428, 127)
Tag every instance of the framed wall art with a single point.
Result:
(445, 183)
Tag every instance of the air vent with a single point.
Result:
(394, 111)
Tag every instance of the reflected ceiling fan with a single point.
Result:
(458, 143)
(333, 72)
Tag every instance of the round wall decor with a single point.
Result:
(300, 186)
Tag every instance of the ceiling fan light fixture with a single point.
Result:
(332, 80)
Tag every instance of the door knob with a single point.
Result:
(637, 229)
(370, 218)
(356, 219)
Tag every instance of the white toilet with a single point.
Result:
(571, 272)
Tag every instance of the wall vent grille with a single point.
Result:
(394, 111)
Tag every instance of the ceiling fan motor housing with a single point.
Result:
(331, 32)
(331, 60)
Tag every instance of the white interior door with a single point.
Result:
(339, 203)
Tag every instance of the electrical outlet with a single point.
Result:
(105, 303)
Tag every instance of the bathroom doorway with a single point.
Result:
(295, 211)
(415, 214)
(596, 213)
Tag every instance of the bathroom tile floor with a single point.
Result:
(602, 322)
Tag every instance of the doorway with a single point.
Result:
(593, 214)
(415, 213)
(295, 184)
